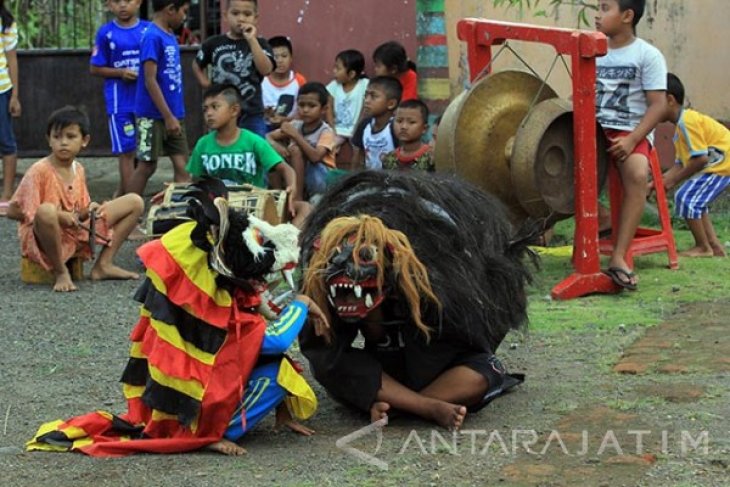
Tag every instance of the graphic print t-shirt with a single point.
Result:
(374, 144)
(231, 62)
(622, 78)
(161, 48)
(119, 47)
(246, 161)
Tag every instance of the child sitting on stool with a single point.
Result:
(53, 207)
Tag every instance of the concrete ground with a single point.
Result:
(620, 407)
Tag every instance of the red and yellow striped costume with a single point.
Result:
(192, 352)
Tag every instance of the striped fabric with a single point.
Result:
(192, 351)
(8, 42)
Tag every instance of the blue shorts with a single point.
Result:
(122, 132)
(692, 198)
(315, 178)
(254, 123)
(8, 145)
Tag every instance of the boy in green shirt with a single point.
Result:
(235, 155)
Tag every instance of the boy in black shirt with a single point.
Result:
(241, 59)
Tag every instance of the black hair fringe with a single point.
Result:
(474, 257)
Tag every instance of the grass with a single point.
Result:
(661, 291)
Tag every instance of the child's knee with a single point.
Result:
(46, 214)
(134, 202)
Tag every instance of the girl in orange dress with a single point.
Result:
(52, 205)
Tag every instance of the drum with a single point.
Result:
(266, 204)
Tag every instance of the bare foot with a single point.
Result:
(63, 283)
(227, 447)
(718, 250)
(698, 252)
(450, 416)
(111, 272)
(378, 411)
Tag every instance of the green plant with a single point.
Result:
(550, 8)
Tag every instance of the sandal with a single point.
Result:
(621, 277)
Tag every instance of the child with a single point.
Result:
(348, 93)
(702, 146)
(630, 102)
(280, 88)
(237, 155)
(390, 59)
(241, 59)
(159, 105)
(9, 102)
(52, 201)
(204, 365)
(115, 57)
(410, 124)
(310, 141)
(374, 136)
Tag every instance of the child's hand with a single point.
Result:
(172, 126)
(283, 418)
(621, 148)
(129, 75)
(288, 129)
(316, 315)
(158, 197)
(249, 31)
(289, 190)
(14, 107)
(66, 219)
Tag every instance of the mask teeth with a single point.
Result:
(358, 291)
(333, 292)
(368, 300)
(289, 276)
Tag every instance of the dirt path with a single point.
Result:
(590, 396)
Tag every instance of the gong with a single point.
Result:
(512, 136)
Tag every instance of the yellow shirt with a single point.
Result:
(699, 135)
(8, 42)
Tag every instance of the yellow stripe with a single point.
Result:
(435, 88)
(281, 325)
(302, 401)
(194, 262)
(171, 335)
(135, 351)
(158, 415)
(157, 281)
(191, 387)
(261, 384)
(132, 392)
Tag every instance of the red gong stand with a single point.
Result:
(583, 47)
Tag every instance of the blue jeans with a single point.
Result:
(254, 123)
(8, 145)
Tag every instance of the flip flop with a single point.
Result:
(621, 277)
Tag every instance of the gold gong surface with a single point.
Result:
(543, 160)
(478, 127)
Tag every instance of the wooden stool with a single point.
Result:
(646, 240)
(33, 273)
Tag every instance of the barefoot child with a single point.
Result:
(52, 204)
(702, 146)
(410, 124)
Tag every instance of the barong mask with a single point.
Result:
(243, 249)
(357, 262)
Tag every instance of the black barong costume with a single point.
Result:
(436, 257)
